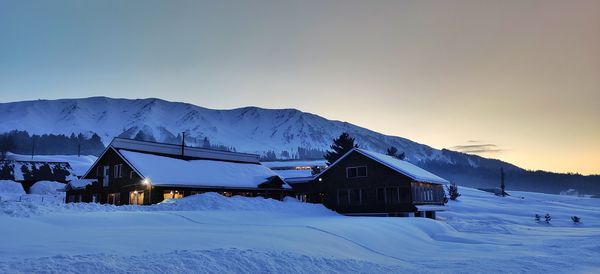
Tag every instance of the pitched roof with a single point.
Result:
(190, 152)
(168, 171)
(412, 171)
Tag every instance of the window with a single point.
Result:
(114, 198)
(355, 172)
(118, 171)
(136, 198)
(427, 193)
(105, 176)
(343, 197)
(131, 175)
(350, 197)
(355, 196)
(380, 195)
(172, 194)
(392, 196)
(99, 171)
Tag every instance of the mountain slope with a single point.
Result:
(248, 129)
(284, 133)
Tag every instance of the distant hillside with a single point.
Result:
(272, 133)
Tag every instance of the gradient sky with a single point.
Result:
(514, 80)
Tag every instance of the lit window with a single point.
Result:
(172, 194)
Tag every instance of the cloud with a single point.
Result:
(476, 147)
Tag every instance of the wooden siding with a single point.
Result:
(383, 190)
(131, 181)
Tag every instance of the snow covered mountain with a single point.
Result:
(248, 129)
(283, 133)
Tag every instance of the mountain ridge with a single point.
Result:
(286, 133)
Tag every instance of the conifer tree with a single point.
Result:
(452, 190)
(392, 151)
(340, 146)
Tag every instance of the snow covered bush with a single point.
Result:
(537, 217)
(452, 190)
(576, 219)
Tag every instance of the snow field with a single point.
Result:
(481, 233)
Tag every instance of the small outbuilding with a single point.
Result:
(363, 182)
(141, 172)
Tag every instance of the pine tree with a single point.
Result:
(392, 151)
(340, 146)
(401, 156)
(452, 191)
(206, 142)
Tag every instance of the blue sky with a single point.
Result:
(521, 76)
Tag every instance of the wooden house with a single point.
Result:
(141, 172)
(363, 182)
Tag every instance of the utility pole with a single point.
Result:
(182, 144)
(32, 146)
(502, 181)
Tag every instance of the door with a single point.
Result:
(106, 174)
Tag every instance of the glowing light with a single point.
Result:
(320, 179)
(146, 181)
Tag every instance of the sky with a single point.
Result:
(513, 80)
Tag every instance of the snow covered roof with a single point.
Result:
(35, 171)
(81, 183)
(414, 172)
(168, 171)
(431, 207)
(284, 164)
(292, 173)
(175, 150)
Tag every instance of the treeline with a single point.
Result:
(515, 179)
(21, 142)
(300, 154)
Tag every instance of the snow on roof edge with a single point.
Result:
(408, 169)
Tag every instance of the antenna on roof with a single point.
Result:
(182, 143)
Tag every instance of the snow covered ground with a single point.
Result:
(481, 233)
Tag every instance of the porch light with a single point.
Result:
(320, 179)
(146, 181)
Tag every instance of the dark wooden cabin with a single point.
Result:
(363, 182)
(140, 172)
